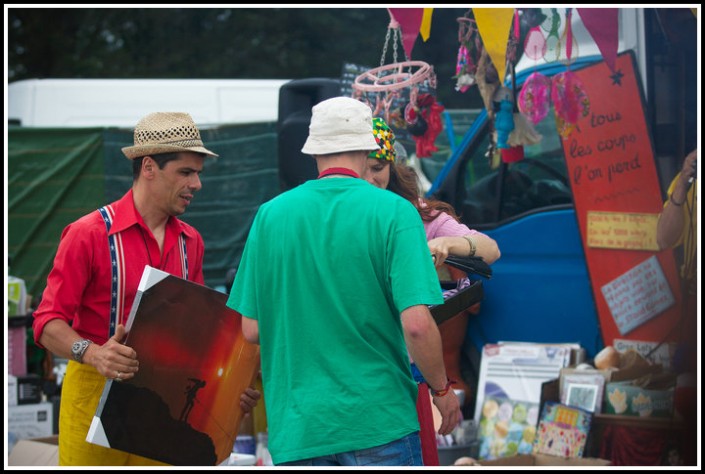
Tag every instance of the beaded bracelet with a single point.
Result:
(444, 391)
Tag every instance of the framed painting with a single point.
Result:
(183, 405)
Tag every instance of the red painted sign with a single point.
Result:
(611, 167)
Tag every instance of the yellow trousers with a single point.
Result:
(80, 394)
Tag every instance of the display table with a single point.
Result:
(675, 423)
(636, 441)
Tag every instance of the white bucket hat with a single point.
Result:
(340, 124)
(166, 132)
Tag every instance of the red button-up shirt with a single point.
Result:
(79, 285)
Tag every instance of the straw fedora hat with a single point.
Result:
(166, 132)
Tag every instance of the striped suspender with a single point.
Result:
(184, 256)
(117, 261)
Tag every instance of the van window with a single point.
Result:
(489, 196)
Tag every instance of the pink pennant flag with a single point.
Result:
(603, 26)
(409, 20)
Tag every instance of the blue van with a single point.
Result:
(540, 289)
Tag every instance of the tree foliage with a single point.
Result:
(215, 43)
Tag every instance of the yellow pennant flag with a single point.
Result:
(425, 29)
(494, 25)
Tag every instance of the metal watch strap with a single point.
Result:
(79, 348)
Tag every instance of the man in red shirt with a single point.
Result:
(98, 267)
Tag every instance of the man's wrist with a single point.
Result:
(444, 391)
(78, 349)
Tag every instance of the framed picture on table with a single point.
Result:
(583, 390)
(582, 395)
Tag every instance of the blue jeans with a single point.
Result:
(402, 452)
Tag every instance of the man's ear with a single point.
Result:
(148, 164)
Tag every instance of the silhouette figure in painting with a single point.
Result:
(193, 386)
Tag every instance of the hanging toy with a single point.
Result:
(570, 101)
(469, 49)
(534, 97)
(551, 26)
(512, 154)
(426, 112)
(504, 123)
(487, 81)
(464, 70)
(416, 125)
(524, 132)
(532, 18)
(569, 97)
(504, 120)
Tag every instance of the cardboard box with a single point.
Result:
(16, 296)
(633, 365)
(35, 452)
(24, 390)
(623, 398)
(11, 390)
(655, 352)
(447, 455)
(29, 389)
(17, 350)
(31, 421)
(544, 460)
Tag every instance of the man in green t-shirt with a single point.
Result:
(334, 284)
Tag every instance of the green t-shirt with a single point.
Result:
(327, 269)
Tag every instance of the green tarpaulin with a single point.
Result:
(58, 175)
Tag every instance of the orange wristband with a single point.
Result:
(444, 391)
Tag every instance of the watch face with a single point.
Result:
(78, 348)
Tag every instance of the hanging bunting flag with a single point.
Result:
(426, 24)
(494, 24)
(409, 20)
(603, 26)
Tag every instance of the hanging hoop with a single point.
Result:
(391, 77)
(386, 84)
(391, 89)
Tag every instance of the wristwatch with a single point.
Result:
(78, 348)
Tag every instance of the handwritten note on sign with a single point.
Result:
(610, 162)
(622, 230)
(638, 295)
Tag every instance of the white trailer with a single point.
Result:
(122, 102)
